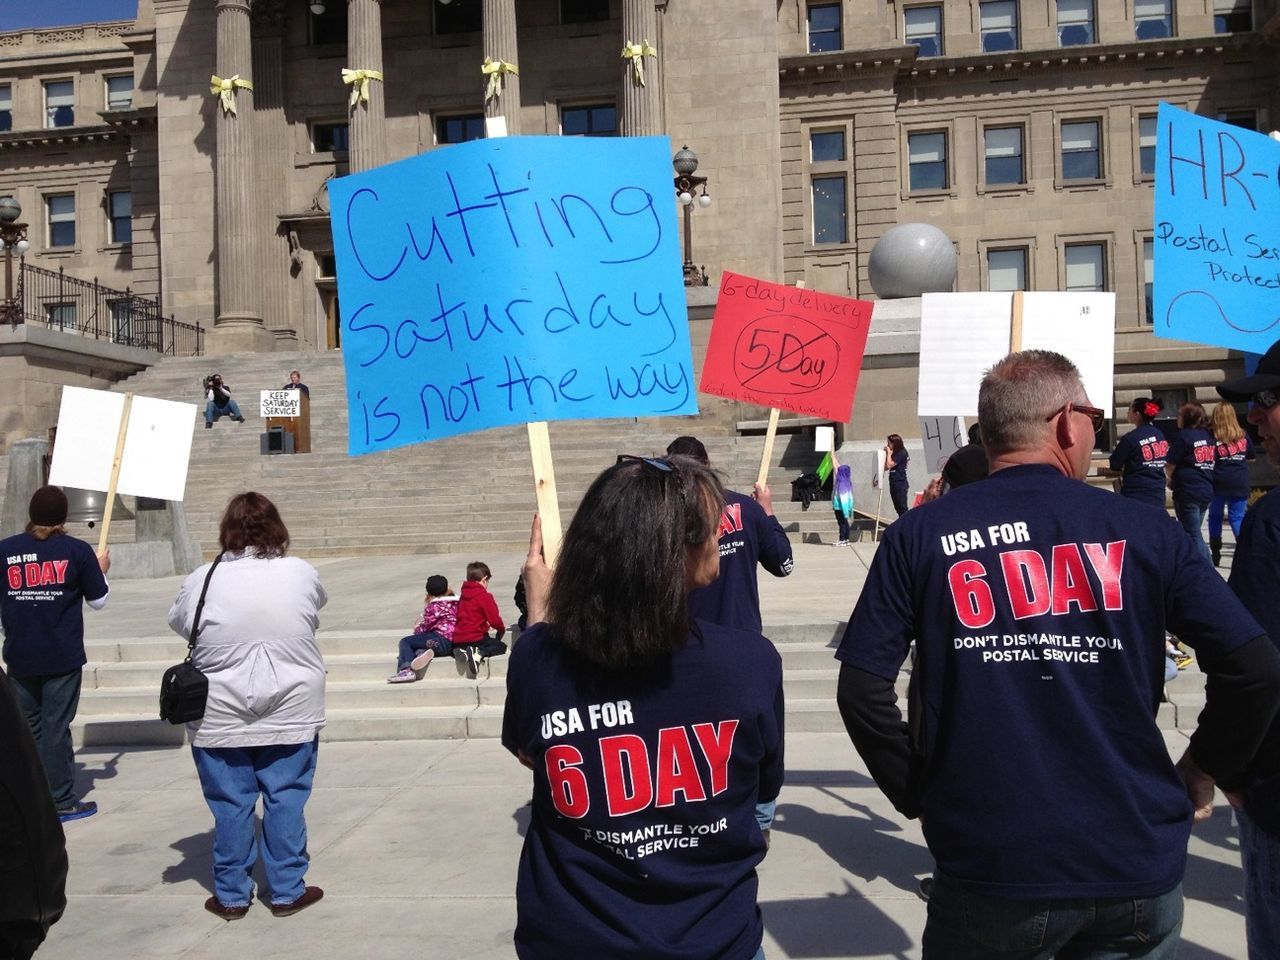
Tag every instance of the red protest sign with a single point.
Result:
(786, 347)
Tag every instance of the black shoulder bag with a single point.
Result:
(184, 689)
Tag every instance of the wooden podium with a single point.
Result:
(299, 427)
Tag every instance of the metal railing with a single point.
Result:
(61, 302)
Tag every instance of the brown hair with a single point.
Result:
(41, 532)
(477, 570)
(1226, 424)
(252, 521)
(895, 441)
(1191, 416)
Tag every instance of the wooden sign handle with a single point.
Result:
(767, 455)
(544, 485)
(115, 473)
(1015, 327)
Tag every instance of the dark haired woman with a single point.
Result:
(895, 461)
(258, 737)
(1190, 470)
(1234, 450)
(1140, 455)
(651, 737)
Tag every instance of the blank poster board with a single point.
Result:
(157, 446)
(824, 439)
(963, 334)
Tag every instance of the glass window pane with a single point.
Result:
(1075, 22)
(824, 27)
(583, 11)
(826, 145)
(1003, 149)
(62, 220)
(922, 26)
(999, 15)
(1148, 279)
(6, 107)
(1153, 19)
(1085, 267)
(119, 93)
(927, 161)
(829, 218)
(459, 129)
(1081, 158)
(1245, 119)
(59, 99)
(460, 16)
(1147, 146)
(1232, 16)
(1007, 269)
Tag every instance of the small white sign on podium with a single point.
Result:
(280, 403)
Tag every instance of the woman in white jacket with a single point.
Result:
(260, 732)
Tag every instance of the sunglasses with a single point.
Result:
(1265, 399)
(660, 464)
(1096, 416)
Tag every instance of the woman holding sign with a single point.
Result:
(651, 737)
(895, 461)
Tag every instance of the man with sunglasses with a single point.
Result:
(1255, 577)
(1038, 606)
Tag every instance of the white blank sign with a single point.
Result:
(824, 439)
(157, 446)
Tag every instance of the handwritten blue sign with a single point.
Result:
(510, 280)
(1216, 238)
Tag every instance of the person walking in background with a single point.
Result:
(1190, 470)
(260, 732)
(1140, 455)
(842, 498)
(49, 575)
(218, 401)
(295, 383)
(895, 461)
(634, 849)
(1233, 451)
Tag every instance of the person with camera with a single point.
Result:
(218, 401)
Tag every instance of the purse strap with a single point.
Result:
(195, 622)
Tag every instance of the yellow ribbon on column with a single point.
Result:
(226, 91)
(359, 81)
(494, 69)
(636, 52)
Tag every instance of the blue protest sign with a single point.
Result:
(1216, 239)
(510, 280)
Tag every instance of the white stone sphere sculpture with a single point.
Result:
(911, 259)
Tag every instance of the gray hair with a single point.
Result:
(1019, 393)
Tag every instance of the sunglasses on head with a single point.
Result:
(660, 464)
(1096, 416)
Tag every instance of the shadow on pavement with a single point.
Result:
(196, 863)
(836, 925)
(87, 776)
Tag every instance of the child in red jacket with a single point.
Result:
(477, 612)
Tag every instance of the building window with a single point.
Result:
(1075, 22)
(1003, 151)
(592, 120)
(922, 26)
(120, 216)
(830, 214)
(927, 161)
(824, 27)
(1148, 281)
(1147, 146)
(59, 103)
(459, 129)
(61, 316)
(583, 11)
(6, 107)
(1232, 16)
(61, 209)
(1007, 269)
(826, 145)
(121, 316)
(1152, 19)
(329, 27)
(120, 92)
(999, 22)
(1081, 156)
(1086, 267)
(460, 16)
(329, 137)
(1245, 119)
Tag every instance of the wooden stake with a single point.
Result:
(1015, 327)
(879, 503)
(544, 485)
(765, 457)
(115, 473)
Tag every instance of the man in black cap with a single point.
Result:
(1255, 577)
(47, 575)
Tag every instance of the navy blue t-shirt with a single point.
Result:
(1038, 605)
(41, 605)
(898, 468)
(748, 536)
(1140, 457)
(644, 842)
(1192, 453)
(1231, 468)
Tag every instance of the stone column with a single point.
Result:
(368, 117)
(499, 43)
(238, 325)
(641, 106)
(273, 160)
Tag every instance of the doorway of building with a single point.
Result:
(327, 289)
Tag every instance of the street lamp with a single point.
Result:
(13, 236)
(685, 163)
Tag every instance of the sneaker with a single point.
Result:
(208, 424)
(404, 676)
(77, 811)
(467, 654)
(926, 888)
(239, 419)
(422, 661)
(1183, 661)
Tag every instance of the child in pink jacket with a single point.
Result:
(432, 636)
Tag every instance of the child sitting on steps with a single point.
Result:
(433, 634)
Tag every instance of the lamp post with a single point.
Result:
(685, 163)
(13, 236)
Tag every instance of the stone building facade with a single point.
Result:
(1022, 128)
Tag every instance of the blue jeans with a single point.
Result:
(50, 704)
(964, 925)
(414, 644)
(1260, 857)
(212, 411)
(764, 813)
(1190, 514)
(1235, 515)
(232, 778)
